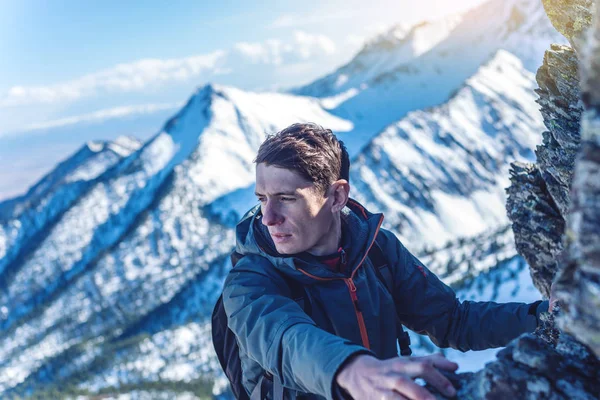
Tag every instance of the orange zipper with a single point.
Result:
(361, 321)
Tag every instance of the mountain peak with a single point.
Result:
(125, 145)
(95, 146)
(122, 146)
(209, 90)
(390, 38)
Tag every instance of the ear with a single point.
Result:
(339, 192)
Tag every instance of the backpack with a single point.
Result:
(226, 346)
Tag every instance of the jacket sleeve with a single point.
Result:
(275, 332)
(427, 306)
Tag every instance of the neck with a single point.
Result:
(330, 242)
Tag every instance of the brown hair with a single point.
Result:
(309, 150)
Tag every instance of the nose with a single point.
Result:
(270, 215)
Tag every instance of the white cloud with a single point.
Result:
(102, 115)
(276, 52)
(267, 52)
(146, 73)
(137, 75)
(309, 44)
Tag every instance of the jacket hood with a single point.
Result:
(359, 227)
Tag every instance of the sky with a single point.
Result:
(74, 71)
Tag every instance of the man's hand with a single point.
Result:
(367, 377)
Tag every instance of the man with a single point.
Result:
(309, 231)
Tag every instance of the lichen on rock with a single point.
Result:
(571, 18)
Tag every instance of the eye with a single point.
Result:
(287, 199)
(262, 199)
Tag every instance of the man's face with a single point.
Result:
(298, 216)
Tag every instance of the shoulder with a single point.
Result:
(389, 243)
(253, 270)
(401, 259)
(252, 278)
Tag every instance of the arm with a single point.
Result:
(427, 305)
(273, 330)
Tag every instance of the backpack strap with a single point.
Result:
(227, 350)
(384, 274)
(278, 390)
(262, 388)
(298, 294)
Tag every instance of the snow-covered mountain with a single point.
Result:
(110, 265)
(440, 173)
(386, 52)
(135, 247)
(405, 70)
(24, 217)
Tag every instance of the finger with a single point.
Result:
(439, 361)
(443, 363)
(405, 386)
(426, 370)
(390, 395)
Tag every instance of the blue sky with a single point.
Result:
(71, 61)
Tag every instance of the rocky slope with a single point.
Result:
(24, 217)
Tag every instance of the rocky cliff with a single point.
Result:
(578, 285)
(555, 209)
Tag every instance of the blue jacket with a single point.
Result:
(352, 312)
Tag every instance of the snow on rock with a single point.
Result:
(441, 173)
(25, 216)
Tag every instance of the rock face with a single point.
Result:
(538, 199)
(571, 18)
(579, 284)
(531, 368)
(540, 196)
(555, 209)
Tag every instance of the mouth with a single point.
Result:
(281, 237)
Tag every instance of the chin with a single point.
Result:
(286, 249)
(283, 250)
